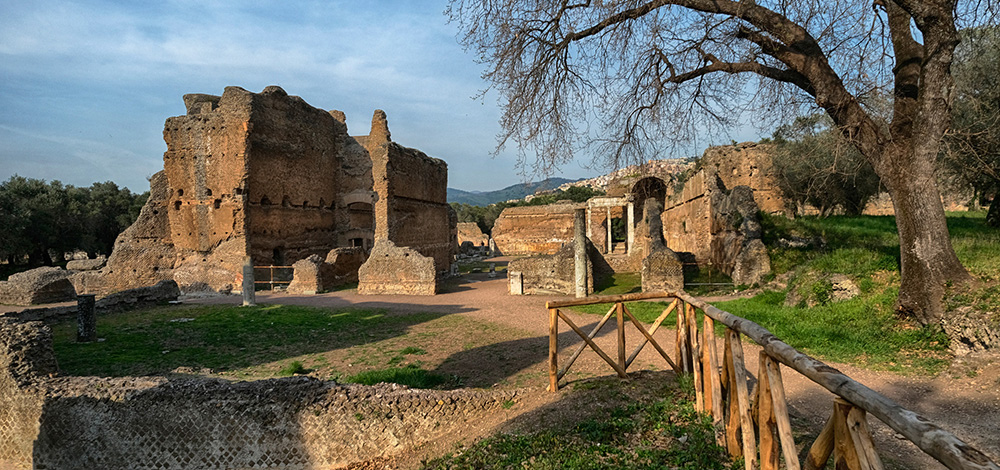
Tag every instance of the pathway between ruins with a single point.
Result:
(964, 400)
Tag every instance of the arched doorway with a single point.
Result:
(644, 189)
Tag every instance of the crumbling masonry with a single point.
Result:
(268, 176)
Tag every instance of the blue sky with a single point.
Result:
(87, 85)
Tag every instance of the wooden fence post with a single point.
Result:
(739, 385)
(553, 350)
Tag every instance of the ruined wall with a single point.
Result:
(718, 227)
(470, 232)
(551, 274)
(143, 254)
(260, 174)
(529, 230)
(154, 422)
(412, 207)
(392, 269)
(748, 164)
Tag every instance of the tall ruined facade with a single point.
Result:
(268, 176)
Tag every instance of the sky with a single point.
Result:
(85, 86)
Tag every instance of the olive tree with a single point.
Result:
(631, 76)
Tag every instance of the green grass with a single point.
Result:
(220, 337)
(864, 330)
(861, 331)
(411, 375)
(661, 433)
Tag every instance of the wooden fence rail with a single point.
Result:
(754, 424)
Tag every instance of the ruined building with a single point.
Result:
(268, 176)
(648, 222)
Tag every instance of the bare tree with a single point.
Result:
(652, 72)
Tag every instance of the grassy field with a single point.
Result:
(350, 345)
(863, 330)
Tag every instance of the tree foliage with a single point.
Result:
(815, 165)
(37, 217)
(971, 155)
(629, 77)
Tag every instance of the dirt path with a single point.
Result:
(964, 400)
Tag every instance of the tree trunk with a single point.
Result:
(993, 215)
(927, 260)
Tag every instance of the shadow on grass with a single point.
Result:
(225, 337)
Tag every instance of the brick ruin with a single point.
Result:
(50, 421)
(644, 225)
(268, 176)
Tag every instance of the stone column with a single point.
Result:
(611, 244)
(249, 298)
(630, 227)
(86, 318)
(580, 251)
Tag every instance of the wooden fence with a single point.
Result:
(754, 423)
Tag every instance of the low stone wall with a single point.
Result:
(142, 297)
(160, 423)
(552, 274)
(37, 286)
(392, 269)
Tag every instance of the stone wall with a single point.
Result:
(412, 208)
(155, 422)
(552, 274)
(42, 285)
(718, 227)
(392, 269)
(748, 164)
(530, 230)
(470, 232)
(267, 175)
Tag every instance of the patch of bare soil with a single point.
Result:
(964, 400)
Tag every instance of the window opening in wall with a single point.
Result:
(619, 232)
(218, 203)
(180, 193)
(264, 201)
(177, 205)
(208, 192)
(358, 242)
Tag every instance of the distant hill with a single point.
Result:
(516, 191)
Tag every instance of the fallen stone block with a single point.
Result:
(392, 269)
(37, 286)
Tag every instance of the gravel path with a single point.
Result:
(964, 400)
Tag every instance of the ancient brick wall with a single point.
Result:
(159, 423)
(748, 164)
(293, 158)
(470, 232)
(718, 227)
(529, 230)
(412, 207)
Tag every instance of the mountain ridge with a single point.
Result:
(514, 191)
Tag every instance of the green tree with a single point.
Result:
(816, 165)
(971, 156)
(655, 72)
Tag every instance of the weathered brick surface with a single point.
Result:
(392, 269)
(268, 176)
(159, 423)
(530, 230)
